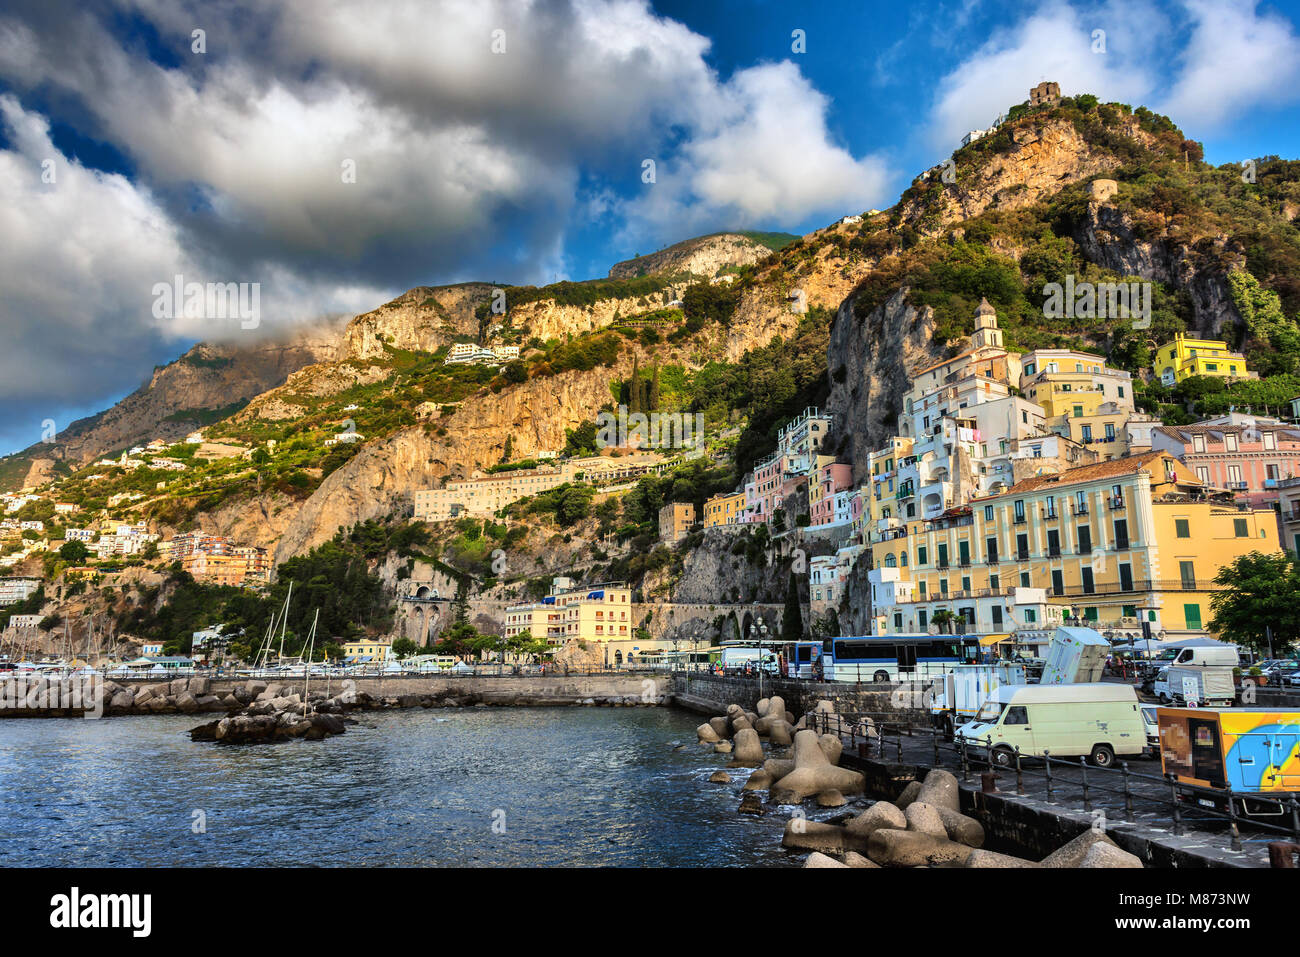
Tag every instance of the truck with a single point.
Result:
(1096, 719)
(1075, 656)
(957, 695)
(1203, 671)
(1234, 754)
(735, 659)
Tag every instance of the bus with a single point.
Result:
(895, 657)
(800, 658)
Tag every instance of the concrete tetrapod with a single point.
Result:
(813, 773)
(818, 859)
(940, 789)
(748, 749)
(881, 814)
(706, 734)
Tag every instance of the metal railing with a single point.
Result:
(883, 734)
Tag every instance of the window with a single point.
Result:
(1022, 547)
(1110, 431)
(920, 586)
(1129, 611)
(1087, 432)
(943, 555)
(1121, 392)
(1121, 533)
(1187, 572)
(1024, 579)
(997, 616)
(1019, 509)
(1085, 540)
(1182, 528)
(1030, 368)
(902, 559)
(963, 553)
(922, 619)
(991, 550)
(1240, 528)
(1234, 474)
(1270, 441)
(1053, 543)
(1125, 577)
(1192, 613)
(1031, 616)
(1203, 473)
(922, 555)
(943, 586)
(1058, 582)
(1271, 471)
(898, 621)
(994, 583)
(1078, 412)
(1017, 715)
(1086, 573)
(988, 513)
(1230, 443)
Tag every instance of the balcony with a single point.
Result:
(1079, 509)
(1236, 486)
(1115, 502)
(1054, 552)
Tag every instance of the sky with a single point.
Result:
(331, 154)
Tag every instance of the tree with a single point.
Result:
(792, 618)
(74, 552)
(943, 620)
(1259, 590)
(404, 647)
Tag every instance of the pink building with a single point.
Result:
(837, 477)
(1246, 456)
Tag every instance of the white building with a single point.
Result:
(14, 590)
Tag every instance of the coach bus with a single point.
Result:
(895, 657)
(799, 658)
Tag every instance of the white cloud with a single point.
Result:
(1055, 43)
(758, 152)
(1236, 60)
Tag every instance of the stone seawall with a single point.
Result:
(46, 698)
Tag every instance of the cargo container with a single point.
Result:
(1075, 656)
(1235, 751)
(957, 695)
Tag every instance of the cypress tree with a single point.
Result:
(792, 619)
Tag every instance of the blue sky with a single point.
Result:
(507, 142)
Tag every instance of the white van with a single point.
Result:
(1100, 720)
(1209, 656)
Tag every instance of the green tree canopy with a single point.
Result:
(1260, 590)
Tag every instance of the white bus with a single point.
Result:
(895, 657)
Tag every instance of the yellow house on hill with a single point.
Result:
(1188, 356)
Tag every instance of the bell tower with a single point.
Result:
(987, 335)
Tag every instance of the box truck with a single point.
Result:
(1075, 656)
(1100, 720)
(1236, 752)
(1203, 672)
(957, 696)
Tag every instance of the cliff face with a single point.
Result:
(548, 319)
(425, 318)
(380, 478)
(870, 363)
(1107, 237)
(1042, 158)
(703, 256)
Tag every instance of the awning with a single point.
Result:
(988, 640)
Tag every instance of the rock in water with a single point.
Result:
(813, 773)
(831, 798)
(748, 748)
(750, 803)
(720, 777)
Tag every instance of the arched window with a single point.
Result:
(890, 560)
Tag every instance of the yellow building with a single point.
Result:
(592, 613)
(1187, 356)
(1113, 540)
(724, 510)
(676, 519)
(1086, 401)
(366, 651)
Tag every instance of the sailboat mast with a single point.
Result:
(284, 622)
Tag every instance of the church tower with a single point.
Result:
(987, 335)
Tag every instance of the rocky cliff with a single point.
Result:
(426, 318)
(872, 358)
(702, 256)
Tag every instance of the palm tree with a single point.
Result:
(943, 620)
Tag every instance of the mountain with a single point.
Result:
(706, 256)
(838, 317)
(205, 385)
